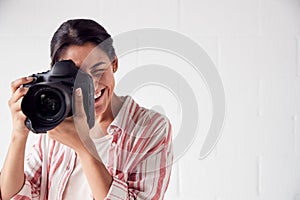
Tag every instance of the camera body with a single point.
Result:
(50, 98)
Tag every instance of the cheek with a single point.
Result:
(96, 81)
(107, 79)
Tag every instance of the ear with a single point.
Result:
(115, 64)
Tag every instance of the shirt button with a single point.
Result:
(110, 131)
(113, 144)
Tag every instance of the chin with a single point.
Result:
(100, 110)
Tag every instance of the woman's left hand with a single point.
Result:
(73, 131)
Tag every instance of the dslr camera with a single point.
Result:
(50, 98)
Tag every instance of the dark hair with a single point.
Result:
(79, 32)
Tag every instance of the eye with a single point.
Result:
(97, 69)
(97, 73)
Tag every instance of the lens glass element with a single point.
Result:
(48, 104)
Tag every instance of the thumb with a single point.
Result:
(79, 116)
(79, 108)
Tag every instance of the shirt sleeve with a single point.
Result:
(32, 174)
(147, 169)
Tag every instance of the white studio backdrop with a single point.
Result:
(254, 45)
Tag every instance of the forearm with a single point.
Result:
(12, 173)
(96, 173)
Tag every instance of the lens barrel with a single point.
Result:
(46, 105)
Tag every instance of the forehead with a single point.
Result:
(84, 55)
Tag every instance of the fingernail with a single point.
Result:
(29, 78)
(78, 92)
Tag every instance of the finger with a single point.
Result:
(17, 83)
(79, 108)
(17, 105)
(19, 93)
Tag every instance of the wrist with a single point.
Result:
(82, 151)
(17, 137)
(87, 151)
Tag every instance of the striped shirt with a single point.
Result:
(139, 159)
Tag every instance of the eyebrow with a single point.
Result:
(96, 65)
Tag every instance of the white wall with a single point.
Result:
(255, 47)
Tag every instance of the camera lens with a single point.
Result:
(48, 104)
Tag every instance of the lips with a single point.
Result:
(99, 94)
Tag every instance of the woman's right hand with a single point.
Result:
(18, 117)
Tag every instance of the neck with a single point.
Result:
(111, 112)
(106, 118)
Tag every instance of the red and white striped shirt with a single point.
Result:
(139, 159)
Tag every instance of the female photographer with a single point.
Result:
(126, 155)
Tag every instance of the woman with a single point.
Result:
(128, 153)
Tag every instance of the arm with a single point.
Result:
(31, 174)
(96, 173)
(76, 136)
(12, 175)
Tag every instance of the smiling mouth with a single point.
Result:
(99, 95)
